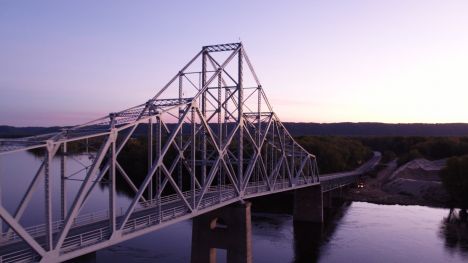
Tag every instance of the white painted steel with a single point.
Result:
(216, 143)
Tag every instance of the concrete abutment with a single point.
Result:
(226, 228)
(308, 204)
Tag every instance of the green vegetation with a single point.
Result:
(410, 148)
(454, 176)
(455, 179)
(134, 158)
(336, 154)
(75, 147)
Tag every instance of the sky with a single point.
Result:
(399, 61)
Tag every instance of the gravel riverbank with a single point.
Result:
(414, 183)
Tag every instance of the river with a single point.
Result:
(357, 232)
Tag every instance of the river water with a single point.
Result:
(365, 233)
(357, 231)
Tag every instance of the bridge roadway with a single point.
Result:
(91, 232)
(335, 180)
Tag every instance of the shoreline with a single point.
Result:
(374, 189)
(392, 200)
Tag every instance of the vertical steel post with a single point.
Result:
(226, 115)
(226, 111)
(259, 128)
(1, 200)
(203, 110)
(158, 153)
(158, 171)
(259, 114)
(273, 149)
(150, 157)
(193, 157)
(87, 146)
(266, 155)
(48, 196)
(181, 112)
(112, 187)
(293, 164)
(220, 131)
(240, 122)
(63, 177)
(284, 152)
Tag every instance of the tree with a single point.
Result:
(455, 179)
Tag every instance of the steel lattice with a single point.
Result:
(227, 144)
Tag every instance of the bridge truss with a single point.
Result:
(211, 138)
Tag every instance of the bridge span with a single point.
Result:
(212, 140)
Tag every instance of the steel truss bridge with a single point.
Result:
(212, 138)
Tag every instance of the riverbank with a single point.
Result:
(415, 183)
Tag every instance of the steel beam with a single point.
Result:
(82, 193)
(240, 123)
(112, 183)
(21, 231)
(203, 110)
(193, 159)
(150, 155)
(228, 137)
(48, 196)
(63, 177)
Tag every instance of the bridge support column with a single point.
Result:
(308, 204)
(327, 199)
(225, 228)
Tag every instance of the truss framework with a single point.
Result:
(212, 139)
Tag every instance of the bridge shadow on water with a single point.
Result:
(271, 218)
(308, 238)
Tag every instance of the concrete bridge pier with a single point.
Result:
(333, 197)
(332, 201)
(227, 228)
(328, 199)
(308, 204)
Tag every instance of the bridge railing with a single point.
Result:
(233, 137)
(219, 194)
(85, 239)
(23, 255)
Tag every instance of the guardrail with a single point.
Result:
(24, 255)
(214, 195)
(90, 218)
(85, 239)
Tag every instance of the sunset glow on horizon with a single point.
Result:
(64, 63)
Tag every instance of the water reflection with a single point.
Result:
(357, 232)
(454, 230)
(309, 238)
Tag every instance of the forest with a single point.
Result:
(337, 153)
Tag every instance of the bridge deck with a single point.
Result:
(94, 228)
(222, 127)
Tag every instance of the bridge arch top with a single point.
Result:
(210, 138)
(221, 66)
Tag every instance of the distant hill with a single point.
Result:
(14, 132)
(377, 129)
(304, 128)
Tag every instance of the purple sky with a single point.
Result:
(64, 62)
